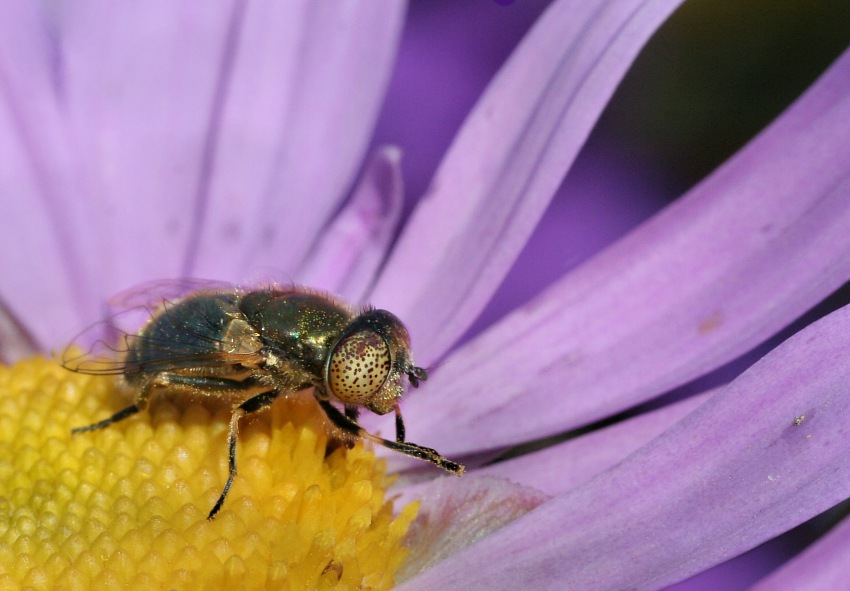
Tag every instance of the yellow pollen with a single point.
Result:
(125, 507)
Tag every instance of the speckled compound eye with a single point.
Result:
(358, 367)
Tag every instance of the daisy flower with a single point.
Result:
(155, 140)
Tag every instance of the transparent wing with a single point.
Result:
(153, 294)
(179, 341)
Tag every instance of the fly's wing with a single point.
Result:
(153, 294)
(175, 340)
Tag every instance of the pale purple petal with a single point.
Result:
(139, 124)
(47, 220)
(821, 567)
(604, 196)
(758, 458)
(558, 468)
(456, 513)
(353, 246)
(141, 87)
(299, 106)
(510, 156)
(751, 248)
(108, 108)
(15, 341)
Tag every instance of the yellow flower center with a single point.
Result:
(126, 507)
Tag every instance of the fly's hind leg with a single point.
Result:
(411, 449)
(140, 404)
(118, 416)
(262, 395)
(175, 382)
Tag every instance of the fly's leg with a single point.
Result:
(176, 383)
(258, 402)
(118, 416)
(352, 412)
(399, 426)
(263, 395)
(141, 403)
(411, 449)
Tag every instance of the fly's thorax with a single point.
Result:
(299, 326)
(368, 364)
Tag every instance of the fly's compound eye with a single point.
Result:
(358, 367)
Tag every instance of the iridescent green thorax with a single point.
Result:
(298, 326)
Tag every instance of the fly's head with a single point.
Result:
(369, 363)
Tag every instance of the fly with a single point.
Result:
(252, 346)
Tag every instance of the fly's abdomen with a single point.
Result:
(178, 333)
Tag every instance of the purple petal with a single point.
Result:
(110, 109)
(300, 104)
(604, 196)
(131, 127)
(15, 342)
(821, 567)
(48, 220)
(456, 513)
(751, 248)
(142, 86)
(590, 454)
(763, 455)
(504, 166)
(354, 245)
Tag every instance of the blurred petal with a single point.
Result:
(561, 467)
(46, 219)
(160, 125)
(758, 243)
(763, 455)
(142, 87)
(509, 158)
(15, 342)
(300, 105)
(354, 245)
(821, 567)
(108, 109)
(455, 513)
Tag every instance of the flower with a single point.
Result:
(126, 508)
(197, 180)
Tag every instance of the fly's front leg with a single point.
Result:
(411, 449)
(352, 412)
(399, 425)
